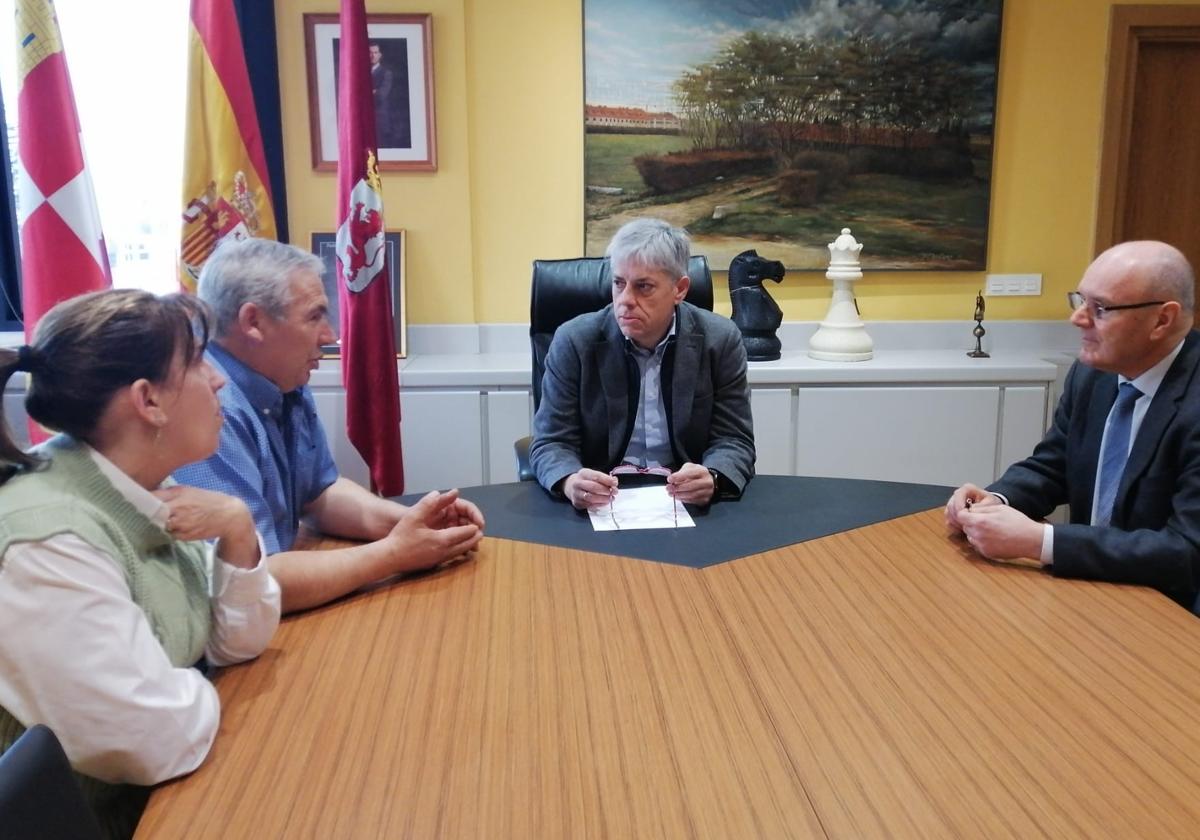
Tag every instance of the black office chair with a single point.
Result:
(562, 289)
(40, 798)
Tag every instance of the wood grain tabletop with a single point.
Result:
(880, 682)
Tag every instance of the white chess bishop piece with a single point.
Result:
(842, 337)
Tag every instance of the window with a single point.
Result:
(130, 90)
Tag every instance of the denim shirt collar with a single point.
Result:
(263, 395)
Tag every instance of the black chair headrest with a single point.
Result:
(563, 289)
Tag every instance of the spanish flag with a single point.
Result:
(226, 182)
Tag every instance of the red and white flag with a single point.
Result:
(62, 249)
(367, 329)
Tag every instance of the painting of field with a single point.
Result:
(772, 125)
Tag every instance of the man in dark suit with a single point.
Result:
(650, 381)
(1128, 465)
(381, 89)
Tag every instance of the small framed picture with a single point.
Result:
(401, 53)
(324, 246)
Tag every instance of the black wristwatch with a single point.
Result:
(716, 477)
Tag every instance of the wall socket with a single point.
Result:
(1013, 284)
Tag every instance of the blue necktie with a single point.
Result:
(1116, 451)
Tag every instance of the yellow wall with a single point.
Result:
(433, 207)
(509, 184)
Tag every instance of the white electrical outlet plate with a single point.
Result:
(1013, 284)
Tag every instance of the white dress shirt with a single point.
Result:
(650, 441)
(122, 711)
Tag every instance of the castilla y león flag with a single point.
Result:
(368, 336)
(62, 249)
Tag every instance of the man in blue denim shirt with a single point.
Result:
(271, 320)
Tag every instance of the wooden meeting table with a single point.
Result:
(883, 681)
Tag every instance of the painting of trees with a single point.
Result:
(800, 117)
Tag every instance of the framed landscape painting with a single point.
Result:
(773, 124)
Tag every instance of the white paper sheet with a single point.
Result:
(634, 508)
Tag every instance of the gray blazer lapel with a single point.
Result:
(686, 367)
(610, 357)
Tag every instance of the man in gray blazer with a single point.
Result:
(1128, 466)
(650, 382)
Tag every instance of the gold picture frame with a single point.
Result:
(404, 107)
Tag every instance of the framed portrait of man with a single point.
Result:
(400, 47)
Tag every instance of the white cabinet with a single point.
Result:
(930, 434)
(920, 416)
(443, 439)
(923, 416)
(509, 416)
(451, 437)
(927, 435)
(774, 436)
(1025, 415)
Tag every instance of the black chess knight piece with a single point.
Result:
(755, 312)
(979, 331)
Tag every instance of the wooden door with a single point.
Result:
(1150, 163)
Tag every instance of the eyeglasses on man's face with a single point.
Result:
(1097, 311)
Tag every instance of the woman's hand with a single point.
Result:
(195, 514)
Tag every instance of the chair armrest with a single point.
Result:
(521, 449)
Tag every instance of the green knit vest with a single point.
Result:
(166, 579)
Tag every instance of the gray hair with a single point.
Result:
(654, 244)
(255, 271)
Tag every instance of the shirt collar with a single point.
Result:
(1149, 381)
(145, 502)
(263, 395)
(658, 348)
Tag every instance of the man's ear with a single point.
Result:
(250, 319)
(681, 288)
(1168, 317)
(145, 398)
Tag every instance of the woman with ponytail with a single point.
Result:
(111, 602)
